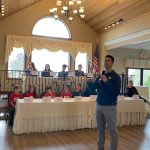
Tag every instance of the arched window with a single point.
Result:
(50, 27)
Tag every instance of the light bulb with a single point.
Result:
(70, 18)
(58, 3)
(56, 16)
(65, 8)
(55, 9)
(75, 11)
(81, 9)
(62, 11)
(82, 15)
(78, 2)
(51, 10)
(71, 2)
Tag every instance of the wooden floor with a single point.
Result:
(130, 138)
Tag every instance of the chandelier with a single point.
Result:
(68, 10)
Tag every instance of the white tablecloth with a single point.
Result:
(144, 92)
(129, 112)
(40, 116)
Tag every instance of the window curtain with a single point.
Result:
(30, 43)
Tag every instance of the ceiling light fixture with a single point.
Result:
(68, 10)
(1, 8)
(113, 24)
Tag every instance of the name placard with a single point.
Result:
(28, 99)
(71, 74)
(121, 97)
(58, 99)
(78, 98)
(46, 99)
(135, 96)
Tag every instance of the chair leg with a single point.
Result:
(7, 117)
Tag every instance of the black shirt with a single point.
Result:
(131, 91)
(79, 73)
(46, 74)
(63, 74)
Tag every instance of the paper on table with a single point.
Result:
(58, 99)
(46, 99)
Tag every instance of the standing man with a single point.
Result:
(108, 87)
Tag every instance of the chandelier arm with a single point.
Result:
(68, 10)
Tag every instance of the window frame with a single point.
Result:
(69, 60)
(141, 73)
(87, 64)
(7, 77)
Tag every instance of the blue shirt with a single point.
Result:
(107, 92)
(75, 93)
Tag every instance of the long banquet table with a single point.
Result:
(41, 116)
(129, 112)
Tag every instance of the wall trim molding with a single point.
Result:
(128, 37)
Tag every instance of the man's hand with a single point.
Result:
(104, 78)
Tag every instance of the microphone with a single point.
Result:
(145, 100)
(103, 72)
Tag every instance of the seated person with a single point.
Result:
(49, 92)
(66, 93)
(31, 92)
(12, 102)
(31, 70)
(47, 71)
(131, 90)
(79, 72)
(78, 91)
(63, 73)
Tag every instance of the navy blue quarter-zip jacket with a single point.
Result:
(107, 92)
